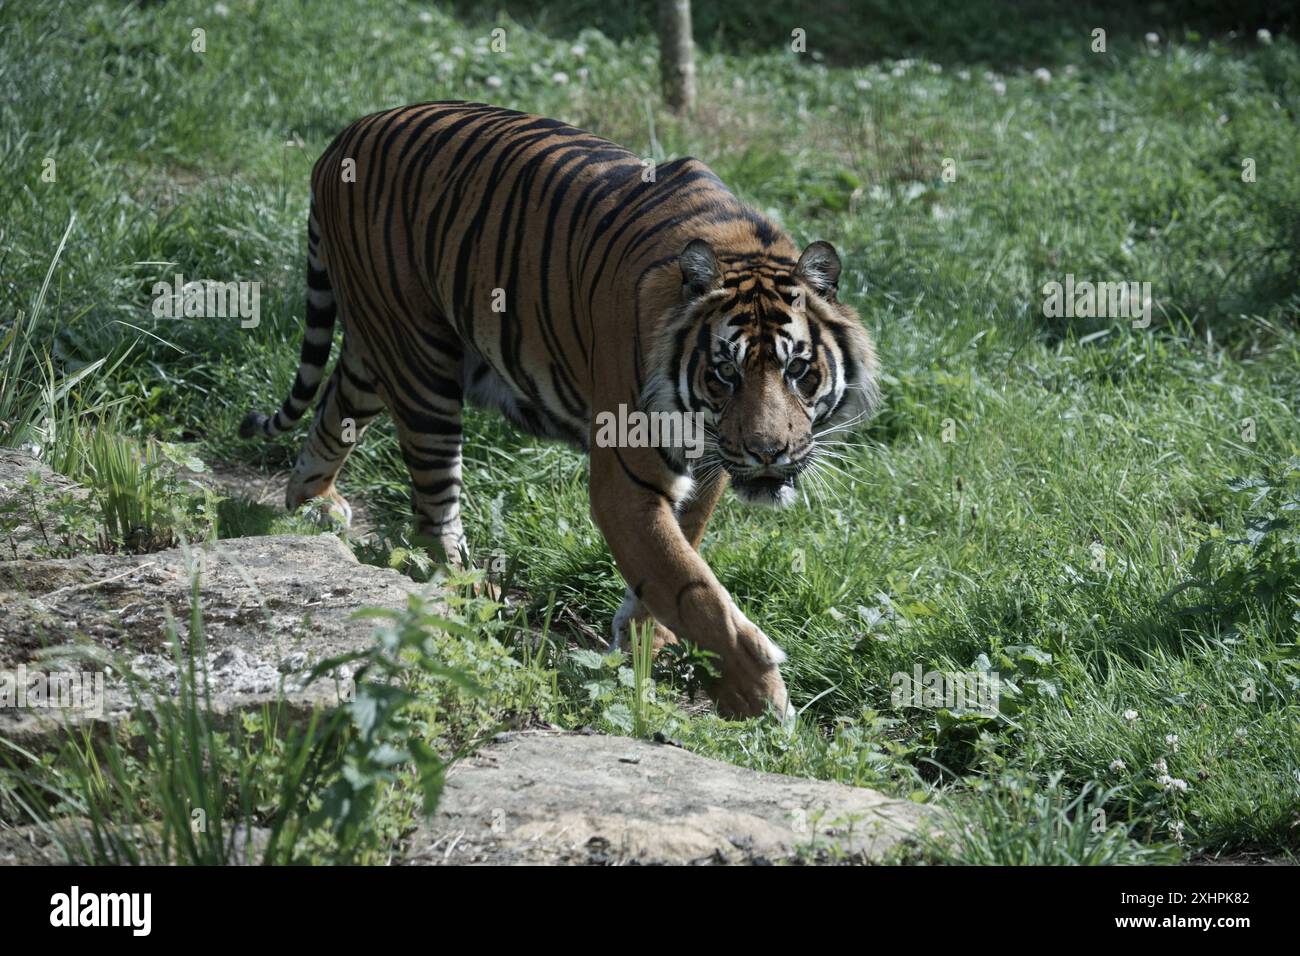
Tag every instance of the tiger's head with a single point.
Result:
(771, 360)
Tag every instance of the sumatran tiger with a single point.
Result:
(480, 254)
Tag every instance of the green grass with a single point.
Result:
(1084, 473)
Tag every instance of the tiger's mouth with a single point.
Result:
(772, 487)
(775, 491)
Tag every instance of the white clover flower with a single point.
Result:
(1160, 767)
(1000, 88)
(1164, 780)
(862, 83)
(1171, 741)
(1240, 733)
(1263, 36)
(1130, 715)
(424, 16)
(579, 50)
(1172, 783)
(221, 10)
(1117, 766)
(1176, 831)
(936, 68)
(458, 51)
(898, 71)
(1043, 75)
(559, 78)
(493, 82)
(1152, 38)
(582, 74)
(1071, 69)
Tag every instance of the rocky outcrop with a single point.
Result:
(550, 797)
(272, 608)
(28, 491)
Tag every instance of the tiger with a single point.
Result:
(478, 254)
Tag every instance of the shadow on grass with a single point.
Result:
(1001, 33)
(241, 518)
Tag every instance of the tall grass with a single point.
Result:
(143, 505)
(40, 406)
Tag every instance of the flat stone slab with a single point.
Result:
(273, 607)
(538, 797)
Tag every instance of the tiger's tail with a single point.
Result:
(318, 336)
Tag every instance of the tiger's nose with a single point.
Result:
(767, 452)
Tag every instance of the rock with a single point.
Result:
(26, 530)
(273, 607)
(540, 797)
(29, 846)
(32, 845)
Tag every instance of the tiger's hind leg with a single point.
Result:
(429, 432)
(693, 519)
(349, 404)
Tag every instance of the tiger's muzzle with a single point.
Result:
(769, 478)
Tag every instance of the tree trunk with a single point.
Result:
(677, 54)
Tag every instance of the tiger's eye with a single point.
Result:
(797, 368)
(727, 371)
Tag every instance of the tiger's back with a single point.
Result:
(511, 237)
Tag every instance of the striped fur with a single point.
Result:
(480, 254)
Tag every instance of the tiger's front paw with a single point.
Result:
(751, 679)
(740, 693)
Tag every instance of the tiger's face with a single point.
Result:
(775, 364)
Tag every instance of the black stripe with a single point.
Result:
(641, 483)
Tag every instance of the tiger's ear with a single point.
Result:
(819, 266)
(700, 270)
